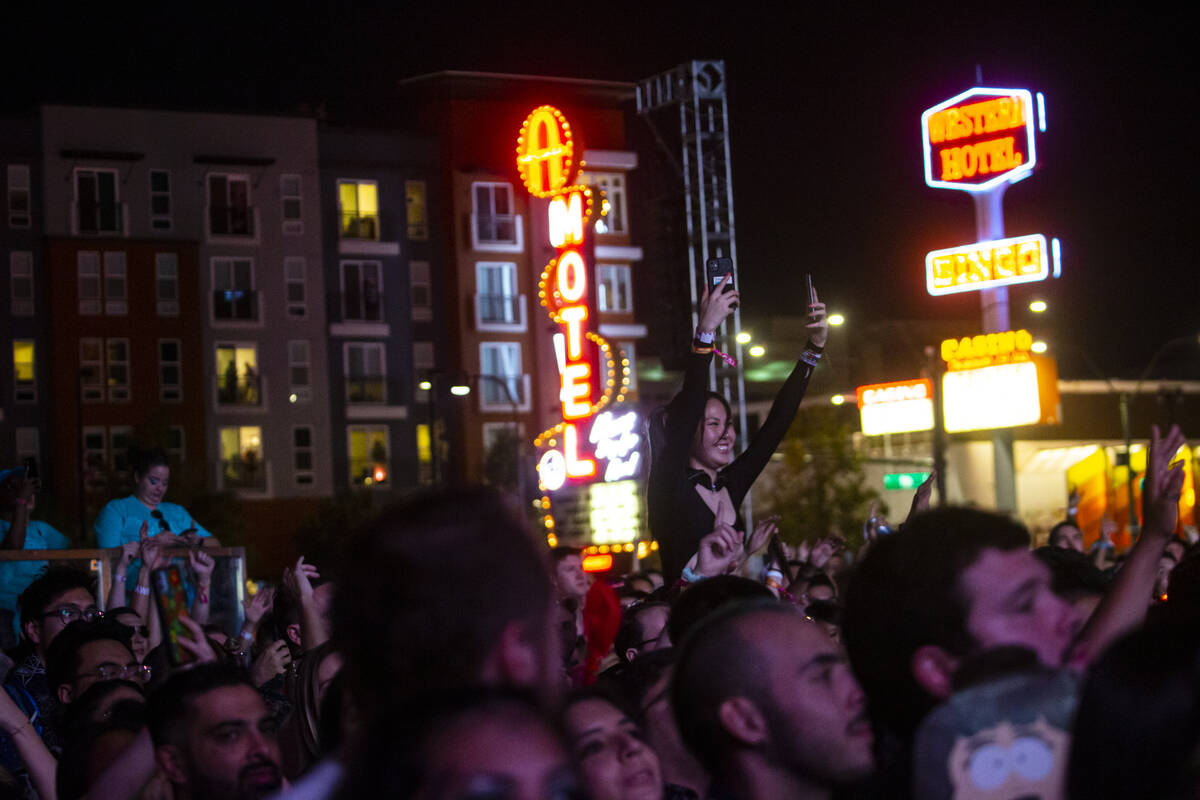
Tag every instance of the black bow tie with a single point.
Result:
(700, 478)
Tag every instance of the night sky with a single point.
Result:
(825, 117)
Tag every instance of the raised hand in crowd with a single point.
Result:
(297, 582)
(720, 550)
(271, 661)
(924, 493)
(202, 565)
(117, 593)
(715, 306)
(825, 549)
(196, 644)
(764, 529)
(818, 329)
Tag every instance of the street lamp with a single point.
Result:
(837, 319)
(743, 337)
(838, 399)
(758, 351)
(1038, 347)
(1038, 306)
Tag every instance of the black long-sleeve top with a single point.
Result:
(679, 518)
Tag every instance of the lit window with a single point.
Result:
(362, 291)
(366, 380)
(238, 382)
(166, 284)
(97, 208)
(242, 464)
(170, 370)
(24, 371)
(424, 455)
(19, 204)
(418, 225)
(420, 291)
(358, 204)
(613, 220)
(160, 199)
(290, 196)
(294, 284)
(229, 210)
(20, 282)
(613, 288)
(302, 455)
(370, 464)
(492, 211)
(117, 369)
(300, 370)
(234, 298)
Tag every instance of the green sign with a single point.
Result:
(904, 480)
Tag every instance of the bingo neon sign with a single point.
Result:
(979, 139)
(986, 265)
(591, 377)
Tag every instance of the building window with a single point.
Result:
(293, 279)
(19, 204)
(90, 294)
(366, 377)
(20, 282)
(290, 196)
(160, 199)
(28, 444)
(116, 283)
(497, 300)
(420, 291)
(116, 369)
(613, 219)
(238, 381)
(302, 455)
(175, 443)
(414, 196)
(95, 457)
(234, 297)
(300, 371)
(369, 455)
(166, 284)
(500, 383)
(170, 370)
(424, 455)
(91, 370)
(97, 206)
(492, 211)
(503, 434)
(242, 464)
(362, 291)
(423, 358)
(24, 371)
(613, 288)
(229, 210)
(358, 204)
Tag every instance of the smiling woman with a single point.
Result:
(609, 748)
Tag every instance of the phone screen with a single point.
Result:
(171, 595)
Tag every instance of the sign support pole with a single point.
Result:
(989, 225)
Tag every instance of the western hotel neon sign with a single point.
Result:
(979, 139)
(590, 377)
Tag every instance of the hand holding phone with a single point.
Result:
(170, 594)
(716, 271)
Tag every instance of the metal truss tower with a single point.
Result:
(697, 90)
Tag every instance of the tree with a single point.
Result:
(820, 488)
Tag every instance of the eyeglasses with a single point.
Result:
(137, 673)
(69, 614)
(162, 523)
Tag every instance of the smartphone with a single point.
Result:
(31, 470)
(812, 294)
(170, 594)
(716, 269)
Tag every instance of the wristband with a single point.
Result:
(809, 357)
(119, 576)
(142, 590)
(691, 576)
(706, 337)
(202, 594)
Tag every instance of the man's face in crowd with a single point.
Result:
(1009, 602)
(98, 661)
(496, 753)
(42, 631)
(231, 750)
(1069, 537)
(572, 581)
(816, 714)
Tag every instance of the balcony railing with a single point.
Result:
(369, 472)
(231, 220)
(366, 390)
(245, 390)
(99, 218)
(244, 473)
(500, 309)
(359, 226)
(496, 228)
(235, 304)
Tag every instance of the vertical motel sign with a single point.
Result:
(590, 377)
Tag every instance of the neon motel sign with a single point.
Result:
(979, 139)
(591, 377)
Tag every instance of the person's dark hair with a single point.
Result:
(717, 661)
(1072, 574)
(62, 656)
(631, 633)
(1141, 695)
(51, 584)
(79, 732)
(724, 404)
(394, 760)
(1183, 588)
(633, 680)
(557, 554)
(401, 615)
(703, 598)
(142, 460)
(170, 703)
(1056, 531)
(124, 714)
(905, 594)
(626, 593)
(827, 611)
(330, 721)
(821, 579)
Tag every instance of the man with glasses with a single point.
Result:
(643, 629)
(90, 651)
(60, 596)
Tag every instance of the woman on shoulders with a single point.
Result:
(121, 520)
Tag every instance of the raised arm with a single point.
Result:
(297, 581)
(15, 540)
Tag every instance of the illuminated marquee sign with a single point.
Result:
(898, 407)
(987, 349)
(979, 139)
(994, 380)
(986, 265)
(590, 374)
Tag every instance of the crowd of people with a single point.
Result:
(453, 657)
